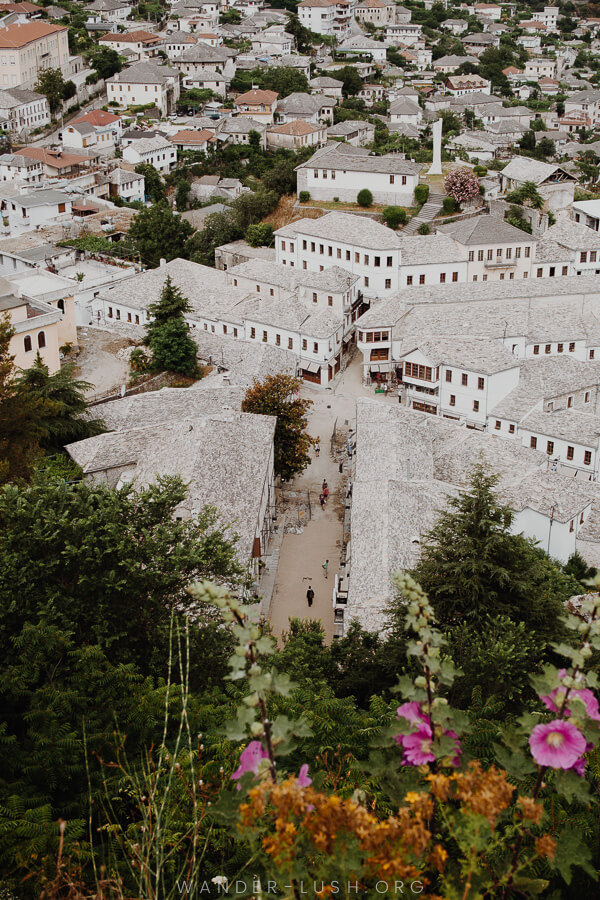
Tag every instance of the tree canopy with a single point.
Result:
(278, 396)
(158, 233)
(167, 334)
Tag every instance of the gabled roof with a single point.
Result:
(522, 169)
(485, 230)
(357, 159)
(13, 36)
(96, 117)
(132, 37)
(256, 97)
(297, 127)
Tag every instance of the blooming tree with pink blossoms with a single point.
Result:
(462, 185)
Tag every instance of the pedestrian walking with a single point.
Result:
(326, 494)
(317, 447)
(324, 486)
(341, 466)
(322, 500)
(326, 567)
(310, 596)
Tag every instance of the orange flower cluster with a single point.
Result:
(485, 792)
(306, 820)
(545, 846)
(531, 810)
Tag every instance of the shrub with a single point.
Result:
(304, 196)
(462, 185)
(364, 197)
(480, 171)
(393, 216)
(449, 205)
(260, 235)
(424, 228)
(336, 199)
(421, 193)
(139, 361)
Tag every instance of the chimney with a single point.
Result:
(163, 263)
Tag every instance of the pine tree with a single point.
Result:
(20, 414)
(65, 403)
(167, 335)
(473, 566)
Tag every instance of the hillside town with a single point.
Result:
(393, 209)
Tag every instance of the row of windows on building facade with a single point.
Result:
(28, 343)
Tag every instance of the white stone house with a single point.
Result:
(14, 167)
(331, 17)
(342, 171)
(144, 84)
(25, 110)
(156, 151)
(554, 183)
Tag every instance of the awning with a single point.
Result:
(312, 367)
(375, 368)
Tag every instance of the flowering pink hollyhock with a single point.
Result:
(412, 712)
(588, 698)
(458, 750)
(250, 759)
(303, 777)
(579, 767)
(557, 744)
(417, 746)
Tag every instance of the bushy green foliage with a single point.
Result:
(158, 233)
(278, 396)
(449, 205)
(364, 197)
(421, 193)
(424, 228)
(167, 334)
(260, 235)
(304, 196)
(394, 216)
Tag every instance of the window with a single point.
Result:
(517, 253)
(271, 291)
(235, 332)
(61, 208)
(357, 257)
(587, 458)
(253, 332)
(442, 278)
(508, 252)
(592, 354)
(499, 253)
(129, 317)
(409, 280)
(290, 343)
(593, 256)
(572, 525)
(569, 402)
(572, 347)
(314, 298)
(449, 375)
(501, 276)
(391, 179)
(452, 400)
(527, 252)
(118, 314)
(321, 249)
(388, 283)
(366, 281)
(586, 397)
(511, 429)
(283, 245)
(377, 261)
(480, 255)
(137, 320)
(455, 276)
(110, 312)
(366, 259)
(315, 347)
(464, 379)
(27, 343)
(304, 344)
(490, 254)
(330, 301)
(389, 261)
(312, 246)
(533, 443)
(584, 256)
(471, 255)
(348, 255)
(330, 250)
(540, 272)
(421, 279)
(559, 347)
(264, 337)
(404, 179)
(339, 253)
(475, 405)
(278, 340)
(547, 348)
(498, 425)
(480, 384)
(550, 448)
(304, 245)
(570, 452)
(536, 349)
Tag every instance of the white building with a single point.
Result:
(587, 212)
(548, 17)
(31, 210)
(156, 151)
(105, 127)
(360, 45)
(128, 185)
(144, 84)
(340, 170)
(24, 110)
(326, 16)
(14, 167)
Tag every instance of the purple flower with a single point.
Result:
(303, 777)
(412, 712)
(250, 760)
(557, 744)
(553, 700)
(417, 745)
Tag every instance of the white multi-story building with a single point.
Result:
(326, 16)
(128, 185)
(145, 84)
(24, 110)
(407, 33)
(15, 167)
(156, 151)
(96, 129)
(548, 17)
(27, 49)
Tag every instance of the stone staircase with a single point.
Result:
(427, 213)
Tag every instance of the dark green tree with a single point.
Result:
(20, 415)
(167, 335)
(219, 228)
(51, 84)
(260, 235)
(472, 566)
(352, 82)
(153, 184)
(278, 396)
(106, 62)
(63, 397)
(158, 233)
(182, 194)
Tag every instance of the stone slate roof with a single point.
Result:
(357, 159)
(346, 228)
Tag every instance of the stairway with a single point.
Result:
(427, 213)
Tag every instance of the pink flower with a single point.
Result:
(417, 746)
(412, 712)
(557, 744)
(303, 777)
(553, 700)
(250, 760)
